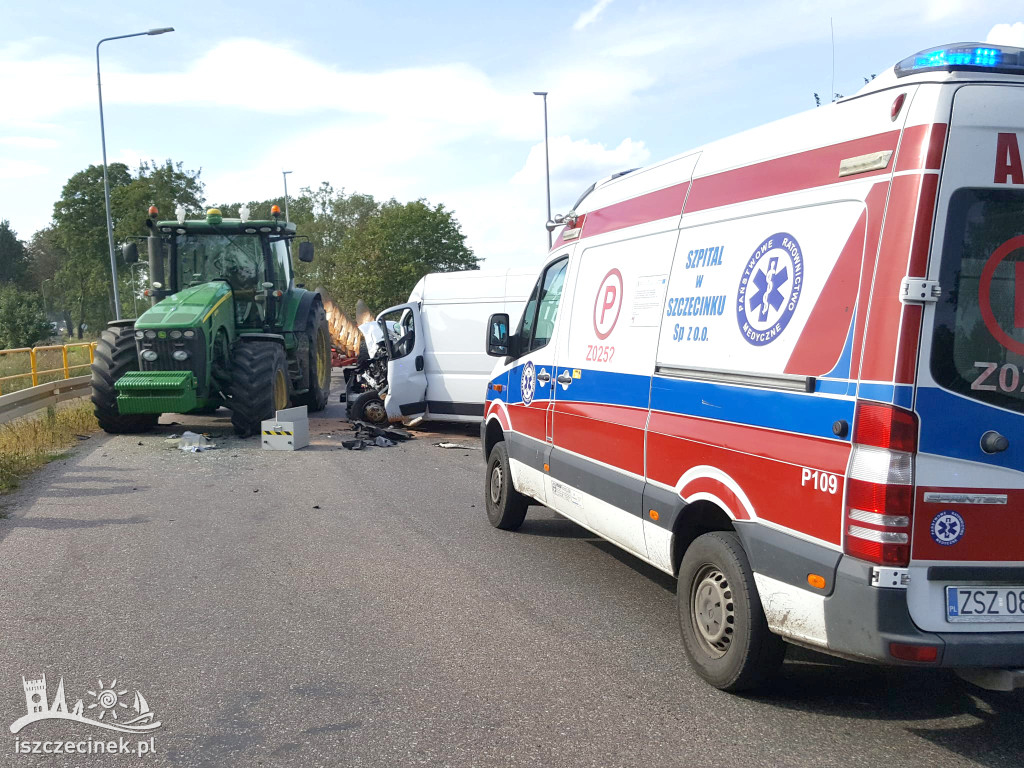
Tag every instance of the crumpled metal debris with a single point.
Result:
(372, 436)
(458, 446)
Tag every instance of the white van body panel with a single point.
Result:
(453, 312)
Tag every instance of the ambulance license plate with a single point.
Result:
(984, 603)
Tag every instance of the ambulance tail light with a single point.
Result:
(880, 488)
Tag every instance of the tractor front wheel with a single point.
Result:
(116, 355)
(259, 384)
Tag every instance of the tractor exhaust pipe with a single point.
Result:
(156, 265)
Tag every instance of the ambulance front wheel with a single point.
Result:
(725, 634)
(506, 507)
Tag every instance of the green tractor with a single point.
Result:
(227, 327)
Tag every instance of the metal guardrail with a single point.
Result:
(26, 401)
(33, 354)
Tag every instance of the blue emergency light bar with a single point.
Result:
(973, 57)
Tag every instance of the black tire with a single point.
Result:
(258, 369)
(725, 634)
(115, 356)
(368, 407)
(319, 362)
(506, 507)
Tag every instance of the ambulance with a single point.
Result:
(787, 368)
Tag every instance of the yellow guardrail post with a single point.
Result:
(64, 355)
(32, 363)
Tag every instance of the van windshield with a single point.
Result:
(978, 343)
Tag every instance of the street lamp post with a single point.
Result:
(103, 141)
(284, 175)
(547, 164)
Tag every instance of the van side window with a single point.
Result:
(978, 340)
(541, 310)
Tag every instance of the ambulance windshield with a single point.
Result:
(978, 344)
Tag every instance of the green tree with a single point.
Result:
(83, 278)
(22, 320)
(391, 250)
(12, 255)
(165, 185)
(46, 255)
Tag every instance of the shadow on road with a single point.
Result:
(61, 523)
(822, 685)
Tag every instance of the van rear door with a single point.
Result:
(967, 549)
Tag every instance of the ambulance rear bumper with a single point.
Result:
(863, 621)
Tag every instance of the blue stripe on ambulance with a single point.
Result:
(944, 416)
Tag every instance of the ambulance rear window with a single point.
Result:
(978, 344)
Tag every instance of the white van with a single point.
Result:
(436, 366)
(786, 368)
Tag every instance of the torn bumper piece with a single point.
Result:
(156, 392)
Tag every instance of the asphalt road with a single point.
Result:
(338, 608)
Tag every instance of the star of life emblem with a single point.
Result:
(770, 289)
(528, 382)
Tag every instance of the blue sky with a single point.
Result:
(432, 100)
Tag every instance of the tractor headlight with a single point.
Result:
(190, 334)
(138, 334)
(175, 334)
(180, 355)
(149, 355)
(150, 334)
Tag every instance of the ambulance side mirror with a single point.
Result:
(497, 335)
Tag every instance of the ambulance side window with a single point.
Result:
(978, 340)
(538, 323)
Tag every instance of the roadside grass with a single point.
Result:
(19, 365)
(28, 443)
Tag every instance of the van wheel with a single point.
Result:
(368, 407)
(506, 507)
(725, 634)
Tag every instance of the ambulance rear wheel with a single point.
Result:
(725, 634)
(506, 507)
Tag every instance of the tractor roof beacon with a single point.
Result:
(227, 326)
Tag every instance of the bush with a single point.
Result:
(22, 320)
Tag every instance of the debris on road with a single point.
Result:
(372, 436)
(190, 442)
(458, 446)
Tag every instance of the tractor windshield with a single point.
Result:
(238, 259)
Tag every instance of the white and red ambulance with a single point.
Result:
(788, 368)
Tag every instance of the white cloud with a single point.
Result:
(28, 142)
(19, 169)
(576, 164)
(589, 16)
(1007, 34)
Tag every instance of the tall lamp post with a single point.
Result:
(103, 140)
(284, 175)
(547, 164)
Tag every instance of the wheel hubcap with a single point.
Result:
(497, 479)
(374, 412)
(712, 610)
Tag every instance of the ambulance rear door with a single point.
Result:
(967, 548)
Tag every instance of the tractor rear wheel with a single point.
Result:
(319, 334)
(116, 355)
(259, 384)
